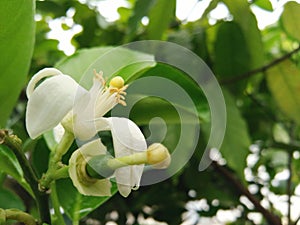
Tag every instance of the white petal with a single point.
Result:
(47, 72)
(49, 103)
(127, 133)
(100, 187)
(84, 111)
(127, 139)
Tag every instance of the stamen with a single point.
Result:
(99, 76)
(117, 86)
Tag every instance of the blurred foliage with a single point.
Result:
(262, 136)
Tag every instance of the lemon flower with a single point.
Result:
(60, 99)
(86, 167)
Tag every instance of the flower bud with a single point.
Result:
(158, 156)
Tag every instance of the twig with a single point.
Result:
(289, 186)
(296, 221)
(289, 147)
(270, 217)
(15, 144)
(260, 69)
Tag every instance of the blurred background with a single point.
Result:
(252, 47)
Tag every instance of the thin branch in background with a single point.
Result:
(289, 186)
(296, 221)
(271, 218)
(260, 69)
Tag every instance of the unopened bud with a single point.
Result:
(158, 156)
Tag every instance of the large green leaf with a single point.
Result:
(10, 200)
(235, 146)
(110, 60)
(153, 106)
(16, 47)
(160, 17)
(76, 205)
(245, 18)
(236, 142)
(284, 84)
(291, 19)
(231, 52)
(10, 165)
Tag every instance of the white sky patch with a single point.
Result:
(64, 36)
(109, 9)
(220, 12)
(190, 10)
(186, 10)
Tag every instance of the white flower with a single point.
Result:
(60, 98)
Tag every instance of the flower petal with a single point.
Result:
(125, 131)
(47, 72)
(49, 103)
(99, 187)
(127, 139)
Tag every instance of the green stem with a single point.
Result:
(56, 205)
(15, 144)
(134, 159)
(56, 169)
(63, 172)
(102, 166)
(63, 146)
(15, 214)
(2, 217)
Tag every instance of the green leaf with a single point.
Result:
(10, 165)
(291, 19)
(160, 17)
(40, 157)
(151, 107)
(231, 52)
(10, 200)
(16, 47)
(246, 19)
(235, 146)
(109, 60)
(284, 84)
(264, 4)
(76, 205)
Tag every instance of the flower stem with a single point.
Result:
(15, 144)
(56, 169)
(134, 159)
(63, 146)
(56, 205)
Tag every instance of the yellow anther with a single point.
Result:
(117, 82)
